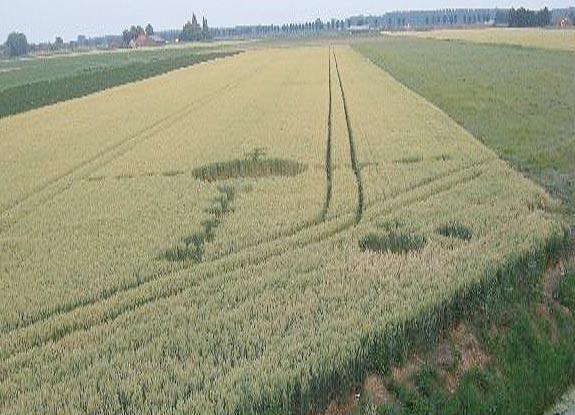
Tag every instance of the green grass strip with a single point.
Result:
(39, 94)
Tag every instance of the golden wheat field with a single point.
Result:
(537, 38)
(240, 236)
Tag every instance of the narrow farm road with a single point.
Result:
(566, 406)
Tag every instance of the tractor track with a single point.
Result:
(352, 152)
(286, 234)
(328, 162)
(159, 274)
(64, 181)
(229, 262)
(106, 294)
(178, 285)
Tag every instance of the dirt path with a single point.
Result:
(566, 405)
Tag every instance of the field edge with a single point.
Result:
(382, 351)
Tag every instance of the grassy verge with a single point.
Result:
(503, 313)
(517, 359)
(38, 94)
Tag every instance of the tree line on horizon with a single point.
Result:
(523, 17)
(17, 44)
(520, 17)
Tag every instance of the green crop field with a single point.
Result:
(37, 82)
(251, 235)
(17, 72)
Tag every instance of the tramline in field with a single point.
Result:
(250, 242)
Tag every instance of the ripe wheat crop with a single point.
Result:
(280, 290)
(535, 38)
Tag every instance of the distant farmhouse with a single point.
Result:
(564, 18)
(147, 41)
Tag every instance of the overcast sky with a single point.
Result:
(42, 20)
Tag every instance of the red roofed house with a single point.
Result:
(146, 41)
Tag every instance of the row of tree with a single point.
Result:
(285, 29)
(529, 18)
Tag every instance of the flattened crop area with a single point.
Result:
(240, 236)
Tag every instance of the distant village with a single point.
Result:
(193, 31)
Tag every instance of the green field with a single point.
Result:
(31, 83)
(518, 101)
(17, 72)
(260, 233)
